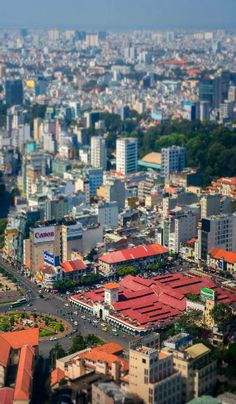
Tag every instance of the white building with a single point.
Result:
(216, 232)
(126, 155)
(185, 228)
(108, 215)
(98, 152)
(173, 159)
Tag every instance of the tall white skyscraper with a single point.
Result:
(98, 152)
(173, 159)
(126, 155)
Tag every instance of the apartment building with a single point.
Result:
(126, 155)
(216, 232)
(152, 375)
(195, 365)
(98, 152)
(173, 159)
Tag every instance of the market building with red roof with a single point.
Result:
(137, 305)
(137, 256)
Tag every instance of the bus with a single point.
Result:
(19, 302)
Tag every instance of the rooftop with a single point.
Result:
(129, 254)
(227, 256)
(197, 350)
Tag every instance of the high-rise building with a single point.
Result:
(210, 205)
(53, 35)
(216, 232)
(126, 155)
(151, 374)
(204, 111)
(173, 159)
(98, 152)
(14, 92)
(195, 365)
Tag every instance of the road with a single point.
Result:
(54, 305)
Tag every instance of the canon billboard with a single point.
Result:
(44, 234)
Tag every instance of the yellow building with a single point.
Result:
(10, 241)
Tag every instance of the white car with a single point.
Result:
(67, 305)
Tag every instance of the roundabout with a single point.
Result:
(50, 327)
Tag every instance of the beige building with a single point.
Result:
(197, 369)
(43, 238)
(152, 375)
(210, 205)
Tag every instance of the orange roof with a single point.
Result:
(18, 339)
(106, 353)
(56, 376)
(111, 285)
(73, 266)
(24, 374)
(163, 355)
(228, 256)
(110, 347)
(5, 349)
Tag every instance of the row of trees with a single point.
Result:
(210, 146)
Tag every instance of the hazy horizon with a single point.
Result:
(117, 15)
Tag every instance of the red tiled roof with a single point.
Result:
(24, 374)
(129, 254)
(106, 353)
(56, 376)
(5, 349)
(18, 339)
(72, 266)
(228, 256)
(145, 301)
(6, 395)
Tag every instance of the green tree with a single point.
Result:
(56, 353)
(222, 314)
(129, 270)
(78, 344)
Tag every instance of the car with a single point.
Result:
(105, 329)
(116, 334)
(75, 322)
(103, 324)
(75, 313)
(113, 330)
(67, 305)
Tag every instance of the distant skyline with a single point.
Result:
(119, 14)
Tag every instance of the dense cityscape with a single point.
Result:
(118, 216)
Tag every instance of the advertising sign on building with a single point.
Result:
(74, 231)
(44, 234)
(208, 294)
(51, 259)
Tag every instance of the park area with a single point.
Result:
(49, 326)
(9, 290)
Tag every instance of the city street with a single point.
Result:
(55, 305)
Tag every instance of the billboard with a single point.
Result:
(51, 259)
(44, 234)
(74, 231)
(208, 294)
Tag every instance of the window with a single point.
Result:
(143, 360)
